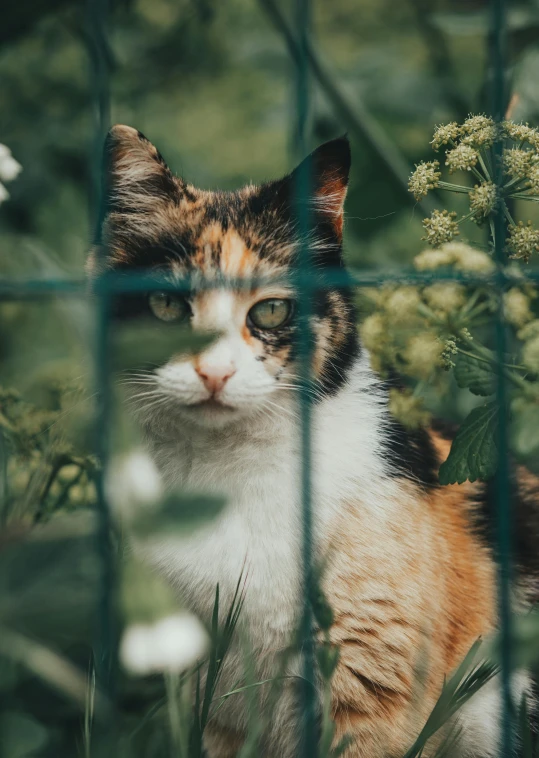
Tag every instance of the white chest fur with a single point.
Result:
(257, 467)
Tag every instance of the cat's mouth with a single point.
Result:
(213, 404)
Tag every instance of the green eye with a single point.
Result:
(270, 314)
(167, 306)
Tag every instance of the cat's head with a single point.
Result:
(156, 223)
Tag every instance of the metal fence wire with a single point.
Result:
(305, 63)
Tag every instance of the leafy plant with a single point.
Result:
(438, 333)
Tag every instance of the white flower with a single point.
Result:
(172, 644)
(134, 482)
(9, 167)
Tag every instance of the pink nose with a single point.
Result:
(215, 377)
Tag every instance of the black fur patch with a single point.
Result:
(524, 512)
(411, 454)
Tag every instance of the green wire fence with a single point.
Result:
(306, 63)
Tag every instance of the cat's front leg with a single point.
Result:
(373, 703)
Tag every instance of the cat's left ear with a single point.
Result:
(328, 170)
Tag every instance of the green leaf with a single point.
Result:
(474, 374)
(474, 454)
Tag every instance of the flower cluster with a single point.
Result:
(461, 158)
(523, 241)
(408, 328)
(529, 334)
(458, 255)
(425, 177)
(483, 199)
(468, 148)
(440, 227)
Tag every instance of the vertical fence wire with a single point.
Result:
(498, 44)
(105, 643)
(305, 344)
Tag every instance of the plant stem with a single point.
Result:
(478, 174)
(507, 214)
(454, 187)
(490, 362)
(482, 353)
(513, 183)
(466, 217)
(522, 196)
(483, 166)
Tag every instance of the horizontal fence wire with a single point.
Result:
(110, 284)
(115, 283)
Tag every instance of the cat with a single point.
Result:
(409, 570)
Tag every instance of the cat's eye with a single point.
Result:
(168, 306)
(270, 314)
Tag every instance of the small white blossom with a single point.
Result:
(477, 123)
(444, 134)
(479, 131)
(9, 170)
(483, 199)
(530, 331)
(422, 355)
(173, 644)
(521, 133)
(517, 162)
(533, 179)
(440, 227)
(458, 254)
(134, 482)
(523, 241)
(446, 297)
(516, 307)
(467, 258)
(403, 303)
(462, 158)
(425, 177)
(9, 167)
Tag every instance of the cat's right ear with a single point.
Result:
(137, 186)
(136, 177)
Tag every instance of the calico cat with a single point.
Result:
(409, 572)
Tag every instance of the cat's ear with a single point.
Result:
(136, 177)
(328, 169)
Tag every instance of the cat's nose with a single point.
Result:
(215, 376)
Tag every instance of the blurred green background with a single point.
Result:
(211, 84)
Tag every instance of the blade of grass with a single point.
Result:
(457, 690)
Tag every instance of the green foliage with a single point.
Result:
(475, 373)
(474, 453)
(217, 104)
